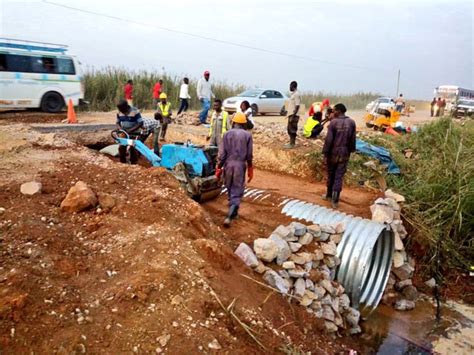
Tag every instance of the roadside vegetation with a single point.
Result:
(437, 181)
(104, 87)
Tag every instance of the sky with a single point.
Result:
(338, 46)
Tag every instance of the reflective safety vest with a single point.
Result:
(165, 110)
(224, 127)
(309, 126)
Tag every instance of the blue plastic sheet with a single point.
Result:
(382, 154)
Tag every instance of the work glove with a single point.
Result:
(218, 173)
(250, 173)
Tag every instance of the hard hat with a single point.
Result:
(326, 102)
(163, 96)
(239, 117)
(207, 72)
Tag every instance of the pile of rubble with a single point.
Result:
(277, 133)
(400, 289)
(187, 118)
(300, 261)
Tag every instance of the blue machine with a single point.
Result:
(193, 165)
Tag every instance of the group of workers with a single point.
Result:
(231, 133)
(438, 107)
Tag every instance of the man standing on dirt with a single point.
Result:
(339, 144)
(204, 94)
(129, 120)
(293, 118)
(235, 156)
(128, 92)
(163, 114)
(219, 124)
(399, 103)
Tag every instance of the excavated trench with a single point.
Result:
(365, 251)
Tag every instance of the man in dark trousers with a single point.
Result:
(293, 117)
(130, 120)
(339, 144)
(235, 157)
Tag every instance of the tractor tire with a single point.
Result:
(254, 108)
(369, 125)
(52, 102)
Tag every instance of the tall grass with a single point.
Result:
(439, 187)
(104, 88)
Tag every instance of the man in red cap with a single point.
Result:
(204, 94)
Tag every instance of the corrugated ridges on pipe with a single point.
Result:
(366, 251)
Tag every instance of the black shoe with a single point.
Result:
(233, 213)
(335, 200)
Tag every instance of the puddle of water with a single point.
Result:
(390, 332)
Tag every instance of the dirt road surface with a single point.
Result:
(155, 273)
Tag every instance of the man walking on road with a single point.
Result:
(235, 157)
(204, 94)
(339, 144)
(219, 124)
(293, 118)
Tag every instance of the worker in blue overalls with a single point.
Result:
(130, 120)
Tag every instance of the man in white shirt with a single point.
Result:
(184, 96)
(204, 94)
(293, 117)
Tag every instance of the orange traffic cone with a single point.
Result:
(71, 114)
(391, 131)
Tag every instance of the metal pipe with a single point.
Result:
(366, 251)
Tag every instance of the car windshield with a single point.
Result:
(466, 103)
(383, 100)
(250, 93)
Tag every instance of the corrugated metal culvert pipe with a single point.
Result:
(366, 252)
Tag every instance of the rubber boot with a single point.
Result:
(231, 215)
(327, 196)
(335, 200)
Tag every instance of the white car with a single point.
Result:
(262, 101)
(385, 103)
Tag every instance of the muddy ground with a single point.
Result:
(157, 272)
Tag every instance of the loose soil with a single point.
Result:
(156, 264)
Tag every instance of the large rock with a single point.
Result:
(284, 251)
(276, 281)
(319, 291)
(404, 305)
(344, 302)
(352, 317)
(111, 150)
(298, 229)
(314, 229)
(306, 239)
(329, 248)
(398, 242)
(398, 259)
(410, 292)
(294, 247)
(31, 188)
(106, 201)
(297, 272)
(327, 285)
(300, 287)
(301, 258)
(288, 265)
(265, 249)
(79, 198)
(404, 272)
(382, 213)
(330, 327)
(245, 253)
(328, 313)
(328, 228)
(285, 233)
(318, 255)
(397, 197)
